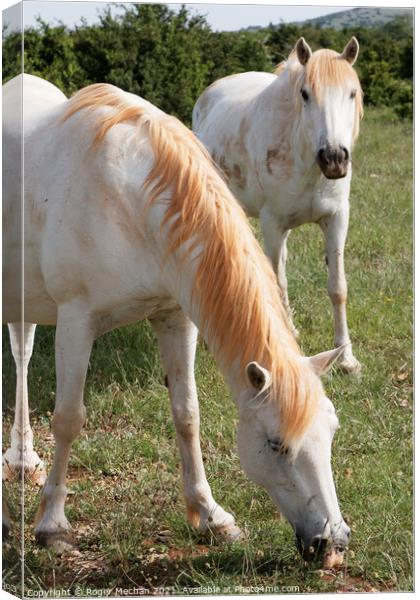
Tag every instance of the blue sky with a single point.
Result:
(220, 16)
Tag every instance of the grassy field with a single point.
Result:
(126, 502)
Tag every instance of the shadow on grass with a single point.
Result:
(171, 569)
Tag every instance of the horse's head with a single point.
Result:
(329, 100)
(298, 479)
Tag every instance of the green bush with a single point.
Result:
(170, 56)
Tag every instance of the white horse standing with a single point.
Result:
(284, 142)
(126, 219)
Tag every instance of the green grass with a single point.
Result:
(125, 470)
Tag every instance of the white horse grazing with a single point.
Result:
(284, 142)
(126, 219)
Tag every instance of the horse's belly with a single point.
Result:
(39, 309)
(28, 295)
(37, 306)
(131, 311)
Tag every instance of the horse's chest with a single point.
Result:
(294, 205)
(294, 210)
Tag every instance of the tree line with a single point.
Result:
(169, 56)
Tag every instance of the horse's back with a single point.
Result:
(229, 94)
(32, 94)
(31, 83)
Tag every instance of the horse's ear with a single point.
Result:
(303, 51)
(321, 363)
(258, 377)
(351, 51)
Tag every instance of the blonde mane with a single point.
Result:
(235, 287)
(324, 68)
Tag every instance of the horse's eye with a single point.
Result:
(353, 95)
(304, 95)
(277, 446)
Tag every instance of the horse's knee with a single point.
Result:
(338, 298)
(68, 422)
(338, 293)
(187, 420)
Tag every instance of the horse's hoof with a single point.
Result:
(34, 473)
(229, 533)
(58, 541)
(350, 365)
(38, 475)
(8, 472)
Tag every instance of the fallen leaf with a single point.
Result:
(348, 472)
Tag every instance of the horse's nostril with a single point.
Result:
(342, 155)
(345, 152)
(313, 550)
(323, 157)
(318, 544)
(332, 155)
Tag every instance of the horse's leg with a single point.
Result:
(73, 343)
(282, 279)
(275, 242)
(177, 338)
(5, 517)
(335, 233)
(21, 453)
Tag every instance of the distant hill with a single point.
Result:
(360, 17)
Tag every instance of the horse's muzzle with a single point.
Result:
(333, 161)
(311, 550)
(314, 548)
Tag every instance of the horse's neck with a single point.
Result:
(276, 111)
(234, 330)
